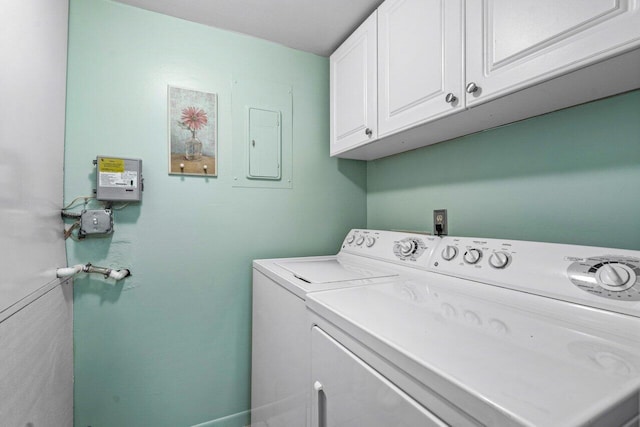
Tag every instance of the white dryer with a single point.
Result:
(280, 363)
(497, 333)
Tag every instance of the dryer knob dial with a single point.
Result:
(360, 240)
(613, 276)
(351, 238)
(472, 256)
(370, 241)
(449, 252)
(499, 259)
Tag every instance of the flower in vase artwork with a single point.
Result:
(192, 132)
(193, 119)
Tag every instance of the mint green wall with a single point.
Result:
(170, 346)
(572, 176)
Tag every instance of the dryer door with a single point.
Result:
(347, 392)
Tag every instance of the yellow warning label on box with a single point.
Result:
(111, 165)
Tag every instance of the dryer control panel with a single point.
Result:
(608, 276)
(598, 277)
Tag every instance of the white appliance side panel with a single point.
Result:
(347, 392)
(280, 355)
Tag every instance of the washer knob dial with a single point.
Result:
(370, 241)
(499, 259)
(351, 238)
(472, 256)
(449, 252)
(408, 247)
(612, 276)
(360, 240)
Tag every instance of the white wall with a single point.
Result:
(36, 361)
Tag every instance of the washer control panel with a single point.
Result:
(361, 238)
(393, 246)
(409, 248)
(612, 277)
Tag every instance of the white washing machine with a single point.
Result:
(496, 333)
(280, 363)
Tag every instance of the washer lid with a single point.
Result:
(332, 270)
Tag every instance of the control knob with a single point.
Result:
(499, 259)
(360, 240)
(351, 238)
(612, 276)
(449, 252)
(408, 247)
(370, 241)
(472, 256)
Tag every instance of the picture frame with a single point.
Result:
(192, 132)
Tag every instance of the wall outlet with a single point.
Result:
(440, 227)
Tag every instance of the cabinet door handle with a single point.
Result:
(472, 87)
(450, 98)
(369, 132)
(322, 407)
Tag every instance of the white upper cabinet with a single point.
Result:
(515, 44)
(354, 89)
(419, 62)
(438, 62)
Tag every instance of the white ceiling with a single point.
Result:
(316, 26)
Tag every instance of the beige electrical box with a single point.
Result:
(118, 179)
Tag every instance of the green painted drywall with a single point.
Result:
(572, 176)
(170, 346)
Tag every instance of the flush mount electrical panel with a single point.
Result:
(265, 143)
(262, 134)
(118, 179)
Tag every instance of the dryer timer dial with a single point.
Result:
(614, 277)
(608, 277)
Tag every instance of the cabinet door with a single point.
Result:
(511, 45)
(419, 62)
(353, 89)
(347, 392)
